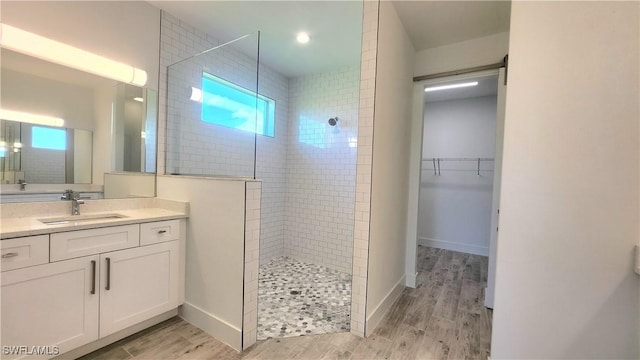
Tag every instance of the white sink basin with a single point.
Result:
(80, 218)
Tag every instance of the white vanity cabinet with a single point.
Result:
(137, 284)
(72, 301)
(50, 305)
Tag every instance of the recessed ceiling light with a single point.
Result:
(303, 37)
(138, 99)
(453, 86)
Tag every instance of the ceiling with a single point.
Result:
(334, 26)
(487, 86)
(431, 24)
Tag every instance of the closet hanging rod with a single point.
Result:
(457, 159)
(436, 163)
(461, 71)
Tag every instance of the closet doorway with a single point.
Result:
(455, 192)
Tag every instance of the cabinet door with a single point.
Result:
(137, 284)
(50, 305)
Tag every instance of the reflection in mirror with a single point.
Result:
(38, 154)
(134, 129)
(41, 101)
(10, 154)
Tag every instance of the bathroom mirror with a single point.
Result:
(133, 142)
(62, 128)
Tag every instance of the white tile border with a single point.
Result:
(253, 193)
(363, 166)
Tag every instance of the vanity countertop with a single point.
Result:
(18, 226)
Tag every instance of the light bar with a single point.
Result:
(453, 86)
(41, 47)
(30, 118)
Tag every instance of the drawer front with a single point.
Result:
(160, 231)
(26, 251)
(73, 244)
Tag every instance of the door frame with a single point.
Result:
(415, 165)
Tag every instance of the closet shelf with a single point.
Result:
(436, 162)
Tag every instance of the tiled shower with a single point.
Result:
(308, 173)
(306, 241)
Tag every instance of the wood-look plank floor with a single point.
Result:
(442, 318)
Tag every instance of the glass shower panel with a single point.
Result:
(214, 112)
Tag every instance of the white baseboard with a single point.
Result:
(454, 246)
(373, 320)
(212, 325)
(411, 280)
(488, 298)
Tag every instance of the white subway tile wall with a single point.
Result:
(213, 150)
(363, 167)
(43, 166)
(321, 168)
(271, 167)
(202, 148)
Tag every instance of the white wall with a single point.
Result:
(476, 52)
(214, 253)
(81, 158)
(102, 134)
(455, 207)
(321, 168)
(129, 184)
(565, 286)
(390, 169)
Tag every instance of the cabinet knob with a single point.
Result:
(162, 231)
(9, 255)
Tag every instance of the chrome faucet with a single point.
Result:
(74, 197)
(23, 184)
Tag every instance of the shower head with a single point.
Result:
(333, 121)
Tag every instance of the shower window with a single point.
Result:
(227, 104)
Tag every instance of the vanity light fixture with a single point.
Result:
(453, 86)
(41, 47)
(138, 99)
(30, 118)
(302, 37)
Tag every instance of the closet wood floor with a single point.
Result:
(442, 318)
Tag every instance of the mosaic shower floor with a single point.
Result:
(297, 298)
